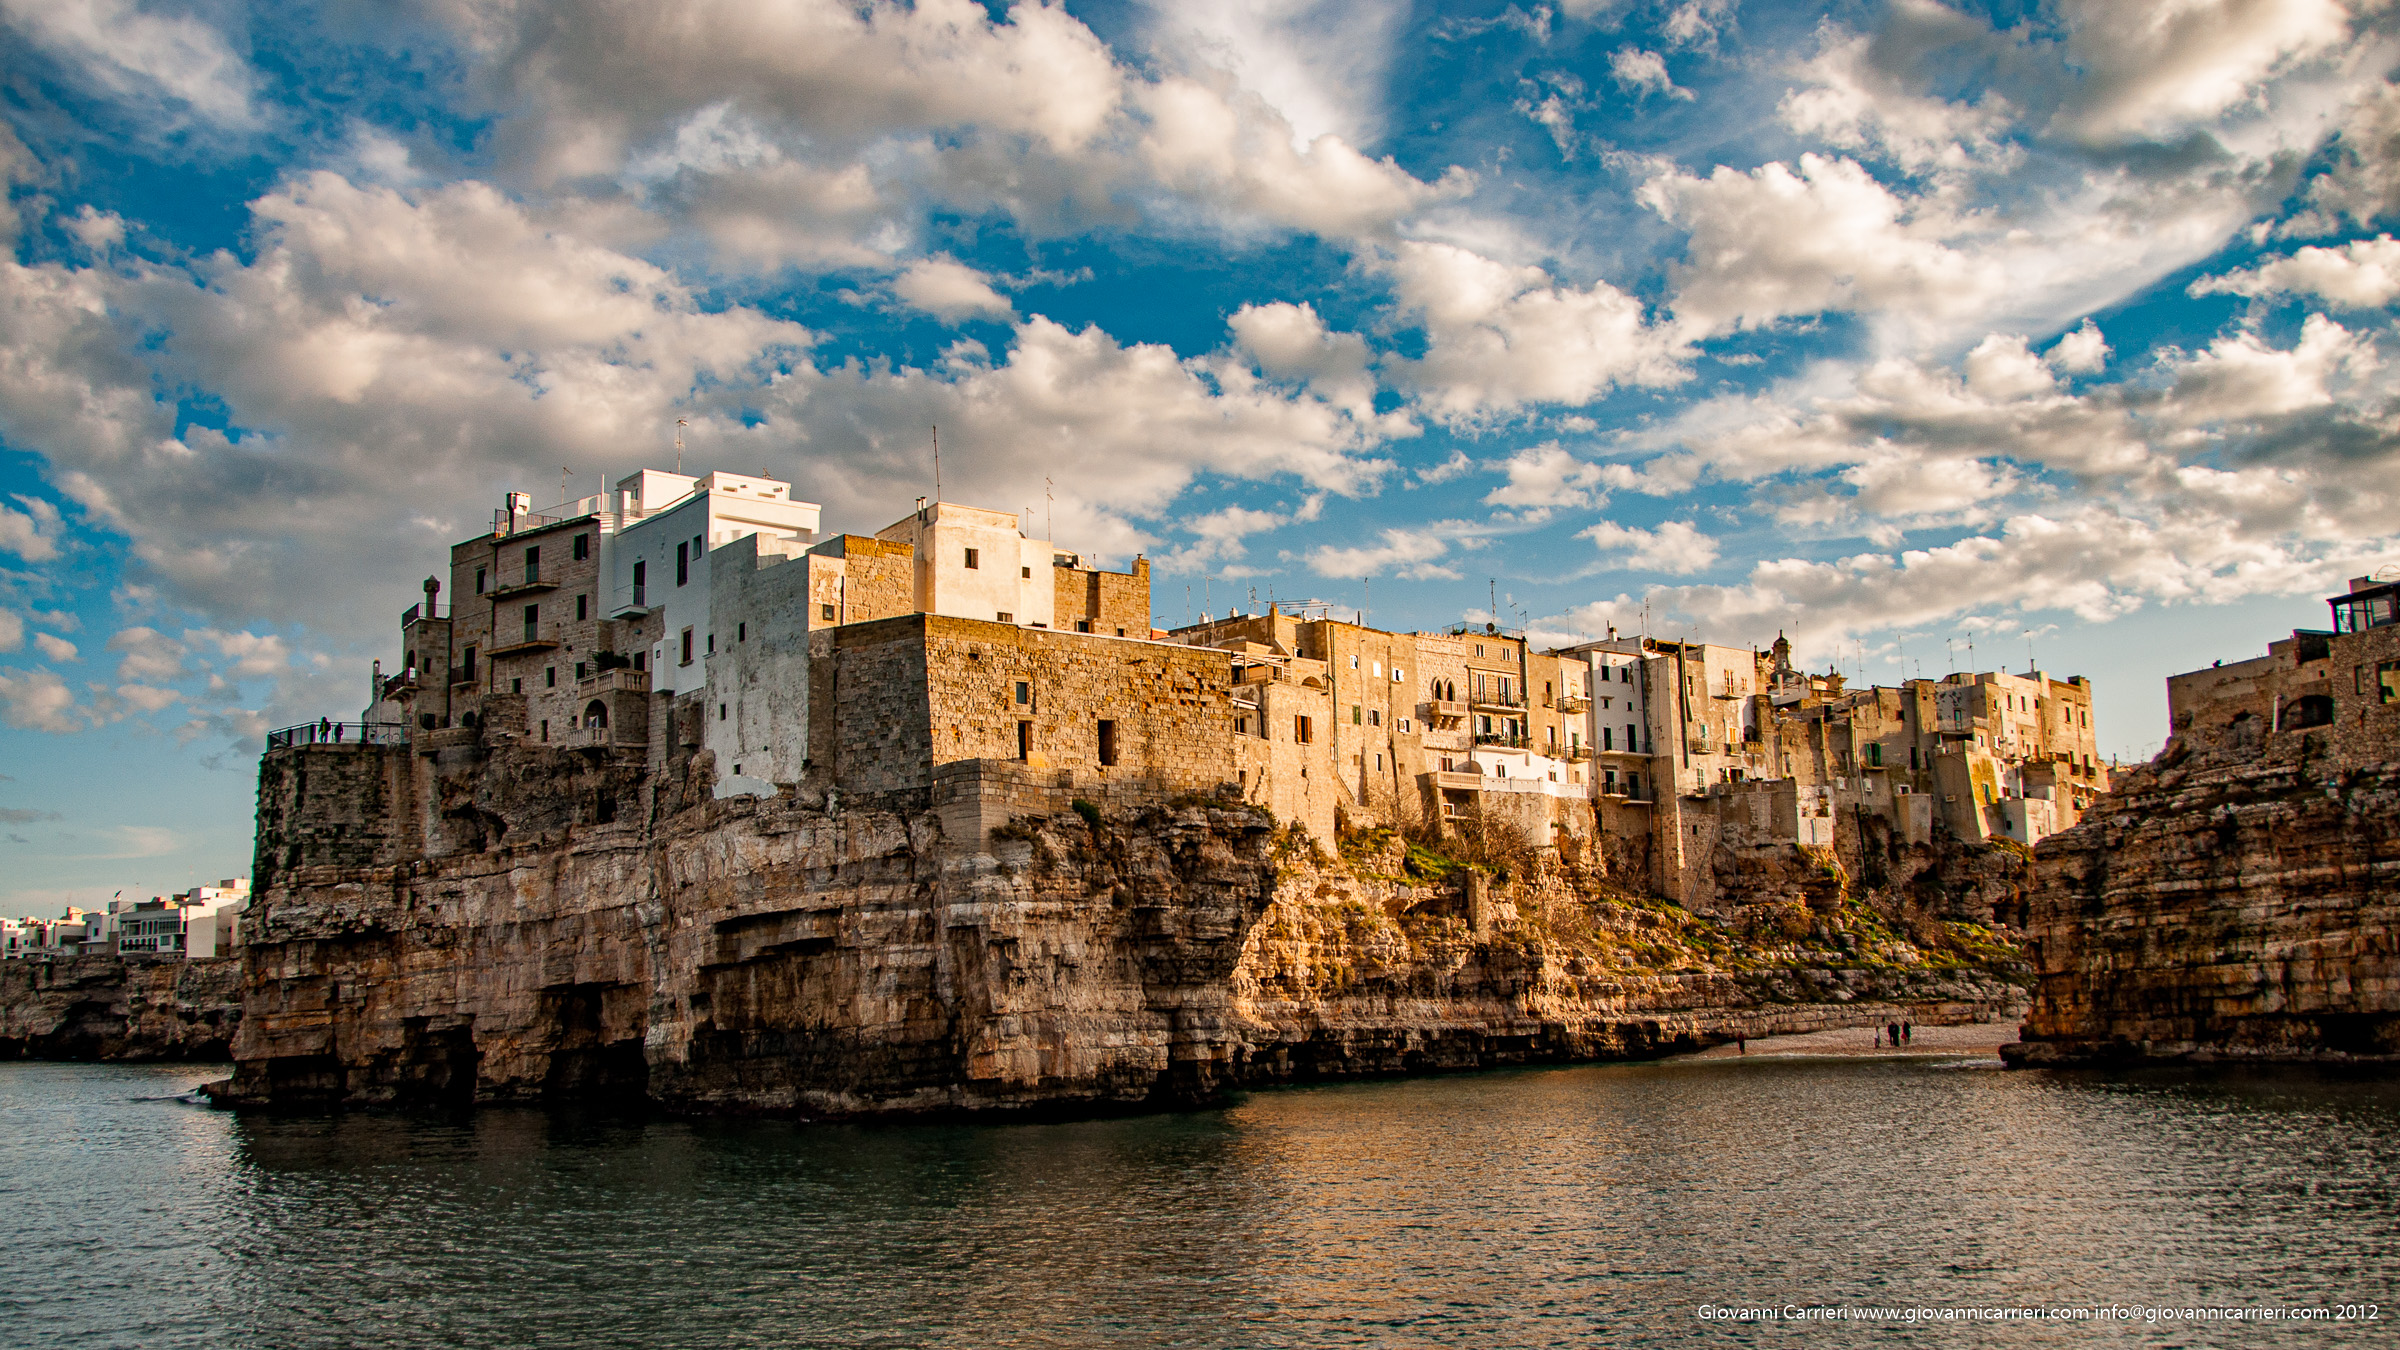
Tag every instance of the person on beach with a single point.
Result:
(1741, 1044)
(1879, 1038)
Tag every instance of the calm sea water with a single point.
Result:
(1596, 1206)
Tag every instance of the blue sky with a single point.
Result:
(1900, 327)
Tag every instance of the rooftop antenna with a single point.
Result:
(937, 465)
(1366, 584)
(679, 425)
(564, 473)
(1049, 510)
(2029, 662)
(1953, 644)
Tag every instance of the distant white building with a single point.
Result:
(977, 564)
(658, 563)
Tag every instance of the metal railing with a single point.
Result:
(339, 733)
(421, 610)
(1503, 739)
(1496, 698)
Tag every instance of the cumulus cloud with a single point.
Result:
(2362, 274)
(1546, 478)
(33, 533)
(1860, 93)
(950, 290)
(2151, 69)
(1499, 337)
(38, 700)
(12, 631)
(1289, 342)
(2080, 352)
(1772, 242)
(149, 655)
(1642, 73)
(2363, 183)
(54, 647)
(1676, 546)
(1409, 553)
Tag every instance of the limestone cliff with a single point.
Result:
(106, 1007)
(820, 956)
(2234, 899)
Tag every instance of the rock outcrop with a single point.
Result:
(843, 957)
(107, 1007)
(2235, 899)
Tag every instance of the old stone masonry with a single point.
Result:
(675, 800)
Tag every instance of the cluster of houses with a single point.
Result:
(710, 613)
(201, 922)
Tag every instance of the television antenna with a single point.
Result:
(679, 426)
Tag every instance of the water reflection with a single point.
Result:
(1544, 1207)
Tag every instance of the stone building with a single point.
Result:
(2341, 685)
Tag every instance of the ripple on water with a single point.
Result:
(1587, 1206)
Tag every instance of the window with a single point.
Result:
(741, 632)
(533, 565)
(466, 667)
(687, 646)
(533, 615)
(581, 668)
(975, 559)
(1108, 741)
(1005, 617)
(641, 660)
(1608, 739)
(712, 644)
(1379, 764)
(641, 582)
(699, 550)
(583, 608)
(516, 686)
(1404, 726)
(545, 728)
(1374, 717)
(683, 563)
(1083, 625)
(1354, 663)
(1025, 740)
(479, 581)
(1120, 632)
(1379, 670)
(1397, 674)
(583, 547)
(1024, 692)
(1356, 718)
(720, 712)
(825, 613)
(1025, 573)
(550, 677)
(1632, 741)
(1303, 730)
(1241, 726)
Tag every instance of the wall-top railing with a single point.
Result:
(339, 733)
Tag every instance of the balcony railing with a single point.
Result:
(1503, 740)
(1579, 752)
(1443, 710)
(339, 733)
(1501, 699)
(1574, 703)
(421, 610)
(630, 600)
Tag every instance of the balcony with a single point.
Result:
(527, 586)
(339, 733)
(1578, 753)
(631, 681)
(1503, 740)
(1444, 712)
(1574, 703)
(532, 641)
(1497, 700)
(630, 601)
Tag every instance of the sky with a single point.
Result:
(1937, 337)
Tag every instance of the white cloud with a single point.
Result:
(1501, 337)
(148, 655)
(1409, 553)
(2362, 274)
(2363, 183)
(1289, 342)
(146, 698)
(141, 57)
(1675, 546)
(1546, 478)
(1320, 64)
(1772, 242)
(2149, 69)
(950, 290)
(249, 656)
(2079, 352)
(1219, 536)
(2003, 367)
(1857, 94)
(12, 631)
(1644, 73)
(33, 533)
(37, 700)
(54, 647)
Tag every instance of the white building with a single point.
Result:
(659, 562)
(977, 564)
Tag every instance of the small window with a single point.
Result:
(1006, 617)
(1356, 718)
(712, 644)
(683, 563)
(687, 646)
(975, 559)
(1374, 717)
(1354, 663)
(1083, 625)
(479, 581)
(533, 615)
(1303, 730)
(1108, 741)
(583, 608)
(1025, 573)
(516, 686)
(533, 565)
(1398, 675)
(1404, 726)
(582, 668)
(641, 660)
(1025, 740)
(720, 712)
(1120, 632)
(699, 549)
(741, 632)
(641, 580)
(545, 728)
(825, 613)
(1024, 692)
(583, 547)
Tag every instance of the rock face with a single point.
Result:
(829, 958)
(106, 1007)
(2234, 899)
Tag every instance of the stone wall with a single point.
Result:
(119, 1008)
(1111, 604)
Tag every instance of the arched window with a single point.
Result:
(2313, 710)
(595, 715)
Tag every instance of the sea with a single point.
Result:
(1759, 1200)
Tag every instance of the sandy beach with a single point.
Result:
(1983, 1038)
